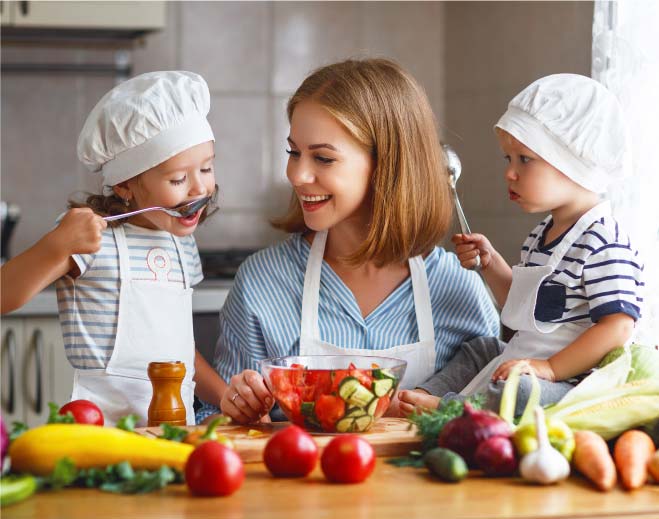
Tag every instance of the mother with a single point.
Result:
(360, 272)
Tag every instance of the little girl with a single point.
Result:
(124, 290)
(575, 294)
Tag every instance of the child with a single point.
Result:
(575, 294)
(124, 291)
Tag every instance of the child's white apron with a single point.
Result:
(536, 339)
(154, 324)
(420, 356)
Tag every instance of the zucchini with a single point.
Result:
(354, 393)
(363, 423)
(372, 406)
(382, 386)
(345, 424)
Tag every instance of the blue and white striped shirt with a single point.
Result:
(601, 274)
(89, 304)
(261, 316)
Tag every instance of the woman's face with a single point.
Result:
(187, 176)
(329, 169)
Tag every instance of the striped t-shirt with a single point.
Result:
(89, 304)
(601, 274)
(261, 316)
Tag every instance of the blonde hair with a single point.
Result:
(388, 113)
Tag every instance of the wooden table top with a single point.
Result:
(390, 493)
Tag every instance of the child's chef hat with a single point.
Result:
(574, 123)
(144, 121)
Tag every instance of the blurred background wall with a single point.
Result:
(471, 57)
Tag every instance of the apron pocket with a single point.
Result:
(550, 304)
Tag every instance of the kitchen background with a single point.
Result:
(471, 57)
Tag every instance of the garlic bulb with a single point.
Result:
(545, 465)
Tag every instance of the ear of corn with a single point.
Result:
(614, 411)
(38, 450)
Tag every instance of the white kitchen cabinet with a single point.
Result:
(7, 10)
(35, 370)
(86, 15)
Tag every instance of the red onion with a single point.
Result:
(464, 433)
(496, 456)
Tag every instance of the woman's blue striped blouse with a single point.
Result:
(261, 316)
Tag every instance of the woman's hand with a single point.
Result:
(412, 400)
(469, 246)
(247, 399)
(542, 369)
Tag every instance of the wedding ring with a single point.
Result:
(233, 398)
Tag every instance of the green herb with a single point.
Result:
(17, 428)
(128, 423)
(173, 433)
(414, 459)
(430, 423)
(119, 478)
(55, 417)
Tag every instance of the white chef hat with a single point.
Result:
(144, 121)
(574, 123)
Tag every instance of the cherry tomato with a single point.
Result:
(290, 453)
(214, 470)
(348, 459)
(83, 411)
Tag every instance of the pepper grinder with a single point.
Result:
(166, 403)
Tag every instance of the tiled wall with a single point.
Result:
(471, 58)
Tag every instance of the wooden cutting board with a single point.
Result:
(389, 437)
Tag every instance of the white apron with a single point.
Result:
(535, 339)
(420, 356)
(154, 324)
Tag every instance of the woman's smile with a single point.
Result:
(312, 203)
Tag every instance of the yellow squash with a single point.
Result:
(38, 450)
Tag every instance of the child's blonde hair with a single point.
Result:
(388, 113)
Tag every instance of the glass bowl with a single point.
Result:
(333, 393)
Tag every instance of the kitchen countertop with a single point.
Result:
(390, 493)
(208, 296)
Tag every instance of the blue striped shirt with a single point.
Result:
(89, 304)
(261, 316)
(601, 274)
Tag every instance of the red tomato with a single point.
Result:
(363, 377)
(383, 405)
(348, 459)
(337, 376)
(296, 375)
(214, 469)
(83, 411)
(329, 409)
(280, 380)
(290, 453)
(291, 405)
(318, 382)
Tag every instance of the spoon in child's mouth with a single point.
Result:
(180, 211)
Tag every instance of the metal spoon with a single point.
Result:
(454, 167)
(180, 211)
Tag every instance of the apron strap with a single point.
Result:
(310, 296)
(595, 213)
(182, 262)
(311, 292)
(422, 301)
(122, 251)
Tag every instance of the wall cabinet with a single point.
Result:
(34, 367)
(84, 15)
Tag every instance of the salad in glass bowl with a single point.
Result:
(333, 393)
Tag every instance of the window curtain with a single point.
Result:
(625, 58)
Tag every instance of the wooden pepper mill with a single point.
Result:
(166, 403)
